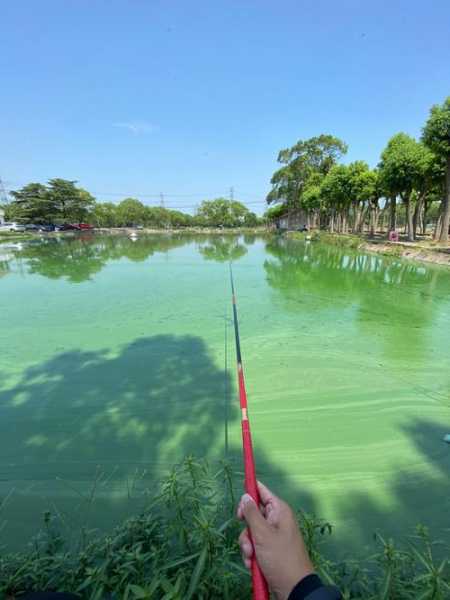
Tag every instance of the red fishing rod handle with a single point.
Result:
(259, 584)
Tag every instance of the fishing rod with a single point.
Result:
(260, 589)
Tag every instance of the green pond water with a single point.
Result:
(117, 359)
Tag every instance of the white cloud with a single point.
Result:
(136, 127)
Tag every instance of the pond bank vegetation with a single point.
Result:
(183, 545)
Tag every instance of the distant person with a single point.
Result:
(279, 549)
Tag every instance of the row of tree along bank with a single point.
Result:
(61, 201)
(412, 178)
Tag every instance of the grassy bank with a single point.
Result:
(184, 545)
(418, 251)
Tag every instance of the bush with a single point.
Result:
(184, 545)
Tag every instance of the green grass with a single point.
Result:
(184, 545)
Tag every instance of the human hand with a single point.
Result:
(275, 540)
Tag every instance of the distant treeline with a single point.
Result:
(412, 174)
(61, 201)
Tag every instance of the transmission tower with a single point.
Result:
(231, 193)
(3, 194)
(161, 196)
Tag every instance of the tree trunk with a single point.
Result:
(409, 219)
(332, 222)
(426, 206)
(374, 213)
(443, 237)
(393, 213)
(382, 219)
(344, 222)
(417, 214)
(362, 219)
(356, 216)
(438, 226)
(376, 217)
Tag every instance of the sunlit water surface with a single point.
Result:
(117, 359)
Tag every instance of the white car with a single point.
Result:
(12, 227)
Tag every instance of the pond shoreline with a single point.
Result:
(417, 251)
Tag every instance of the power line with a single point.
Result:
(161, 196)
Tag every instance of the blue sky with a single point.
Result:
(192, 97)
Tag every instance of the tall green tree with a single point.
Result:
(31, 204)
(436, 135)
(104, 214)
(403, 169)
(363, 194)
(67, 201)
(336, 192)
(301, 162)
(130, 212)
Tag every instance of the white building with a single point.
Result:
(2, 216)
(292, 220)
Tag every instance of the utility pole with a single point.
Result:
(3, 194)
(231, 193)
(161, 196)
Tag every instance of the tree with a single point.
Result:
(301, 162)
(31, 204)
(336, 192)
(67, 202)
(130, 212)
(179, 219)
(436, 135)
(273, 213)
(225, 213)
(60, 200)
(104, 214)
(403, 169)
(363, 194)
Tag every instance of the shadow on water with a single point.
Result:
(128, 417)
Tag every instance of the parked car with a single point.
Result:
(48, 227)
(85, 226)
(31, 227)
(68, 227)
(12, 227)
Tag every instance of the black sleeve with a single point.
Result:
(312, 588)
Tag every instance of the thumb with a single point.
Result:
(252, 515)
